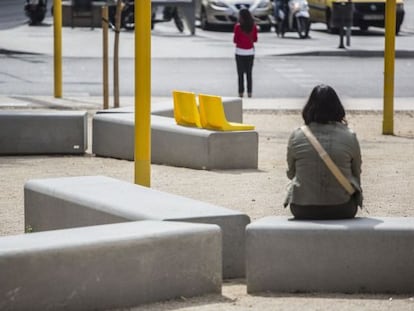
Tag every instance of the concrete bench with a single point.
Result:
(233, 108)
(46, 132)
(362, 255)
(172, 144)
(58, 203)
(109, 266)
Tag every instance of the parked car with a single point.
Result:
(366, 13)
(225, 12)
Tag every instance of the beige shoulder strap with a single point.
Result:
(328, 161)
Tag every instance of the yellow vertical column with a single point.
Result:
(389, 60)
(57, 48)
(142, 151)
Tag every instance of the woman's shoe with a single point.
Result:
(249, 94)
(241, 95)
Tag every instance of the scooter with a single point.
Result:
(35, 10)
(168, 13)
(127, 15)
(294, 17)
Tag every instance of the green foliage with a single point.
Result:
(28, 229)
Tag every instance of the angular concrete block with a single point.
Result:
(58, 203)
(361, 255)
(109, 266)
(113, 135)
(175, 145)
(43, 132)
(233, 109)
(202, 149)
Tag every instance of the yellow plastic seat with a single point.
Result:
(212, 115)
(185, 109)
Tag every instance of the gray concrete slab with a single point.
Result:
(172, 144)
(43, 132)
(361, 255)
(58, 203)
(233, 108)
(249, 104)
(109, 266)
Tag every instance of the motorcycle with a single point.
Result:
(168, 13)
(35, 10)
(293, 17)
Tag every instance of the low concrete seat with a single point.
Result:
(361, 255)
(109, 266)
(233, 108)
(172, 144)
(58, 203)
(43, 132)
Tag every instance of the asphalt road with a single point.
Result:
(276, 76)
(175, 68)
(12, 13)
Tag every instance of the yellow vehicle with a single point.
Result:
(365, 13)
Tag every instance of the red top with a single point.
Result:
(244, 40)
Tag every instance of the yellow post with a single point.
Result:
(105, 56)
(143, 92)
(57, 52)
(389, 60)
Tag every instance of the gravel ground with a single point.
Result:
(387, 180)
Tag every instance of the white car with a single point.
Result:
(225, 12)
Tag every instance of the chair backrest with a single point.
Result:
(185, 109)
(211, 111)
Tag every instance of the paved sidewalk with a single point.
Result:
(205, 44)
(388, 170)
(388, 180)
(288, 104)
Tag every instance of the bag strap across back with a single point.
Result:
(327, 160)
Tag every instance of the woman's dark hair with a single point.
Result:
(246, 20)
(323, 106)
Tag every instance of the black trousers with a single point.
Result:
(244, 66)
(340, 211)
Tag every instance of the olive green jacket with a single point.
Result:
(312, 183)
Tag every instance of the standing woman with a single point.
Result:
(245, 35)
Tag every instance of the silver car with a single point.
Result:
(226, 12)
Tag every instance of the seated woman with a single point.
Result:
(314, 192)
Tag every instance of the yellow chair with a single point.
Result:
(213, 117)
(185, 109)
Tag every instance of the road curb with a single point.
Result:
(351, 53)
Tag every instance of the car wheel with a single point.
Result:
(203, 20)
(128, 20)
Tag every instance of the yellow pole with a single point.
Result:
(389, 60)
(105, 56)
(57, 52)
(143, 93)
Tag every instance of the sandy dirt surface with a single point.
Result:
(387, 180)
